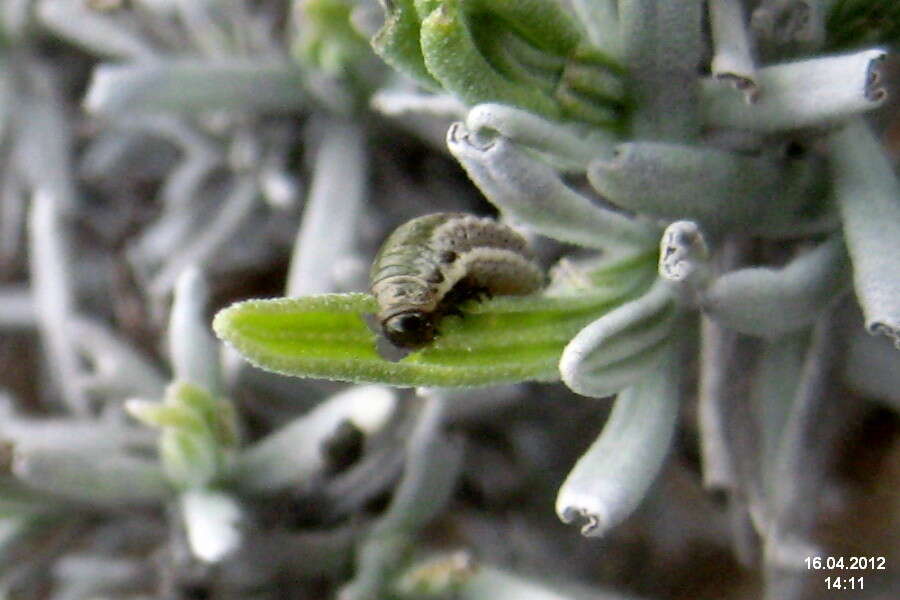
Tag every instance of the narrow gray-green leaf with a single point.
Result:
(799, 94)
(328, 228)
(533, 193)
(771, 302)
(431, 472)
(90, 476)
(677, 181)
(571, 145)
(732, 60)
(52, 288)
(613, 476)
(192, 350)
(294, 452)
(616, 350)
(869, 199)
(663, 44)
(191, 85)
(97, 31)
(212, 522)
(601, 20)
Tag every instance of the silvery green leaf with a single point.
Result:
(212, 520)
(570, 145)
(328, 229)
(433, 462)
(732, 60)
(806, 93)
(53, 296)
(96, 573)
(530, 192)
(617, 350)
(7, 94)
(663, 47)
(601, 20)
(401, 102)
(800, 465)
(771, 302)
(777, 381)
(119, 370)
(193, 351)
(60, 433)
(44, 143)
(189, 85)
(11, 528)
(236, 208)
(13, 208)
(719, 358)
(14, 19)
(201, 153)
(612, 477)
(91, 476)
(698, 183)
(684, 259)
(867, 192)
(100, 33)
(294, 452)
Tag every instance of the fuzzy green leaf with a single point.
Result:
(327, 39)
(397, 43)
(453, 57)
(502, 340)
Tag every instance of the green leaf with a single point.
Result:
(199, 433)
(502, 340)
(157, 414)
(326, 39)
(528, 54)
(453, 57)
(397, 43)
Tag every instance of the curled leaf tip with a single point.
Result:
(890, 330)
(874, 86)
(683, 251)
(613, 476)
(593, 519)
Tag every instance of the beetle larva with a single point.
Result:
(432, 263)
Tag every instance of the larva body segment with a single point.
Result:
(430, 264)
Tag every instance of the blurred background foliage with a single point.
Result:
(160, 159)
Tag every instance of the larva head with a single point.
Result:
(409, 329)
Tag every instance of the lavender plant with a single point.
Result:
(723, 225)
